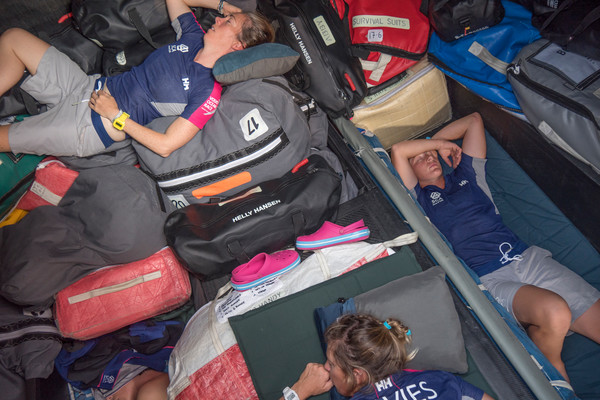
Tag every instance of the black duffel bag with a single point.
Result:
(326, 70)
(68, 40)
(453, 19)
(574, 25)
(212, 239)
(119, 24)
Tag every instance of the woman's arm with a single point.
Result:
(178, 7)
(470, 129)
(402, 152)
(177, 134)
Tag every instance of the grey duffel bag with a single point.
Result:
(559, 92)
(258, 132)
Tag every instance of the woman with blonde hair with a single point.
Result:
(366, 359)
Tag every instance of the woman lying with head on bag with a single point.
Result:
(366, 358)
(174, 80)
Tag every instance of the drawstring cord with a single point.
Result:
(505, 257)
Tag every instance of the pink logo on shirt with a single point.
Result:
(201, 116)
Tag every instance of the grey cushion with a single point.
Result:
(262, 61)
(423, 303)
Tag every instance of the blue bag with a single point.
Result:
(479, 60)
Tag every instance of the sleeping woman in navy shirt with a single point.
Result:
(366, 358)
(175, 80)
(545, 297)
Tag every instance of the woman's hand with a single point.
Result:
(104, 104)
(313, 381)
(449, 149)
(229, 9)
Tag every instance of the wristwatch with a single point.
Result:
(290, 394)
(119, 121)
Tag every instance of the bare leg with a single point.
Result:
(19, 50)
(154, 389)
(547, 317)
(588, 324)
(4, 147)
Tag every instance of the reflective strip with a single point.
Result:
(167, 109)
(484, 55)
(114, 288)
(221, 168)
(36, 329)
(552, 136)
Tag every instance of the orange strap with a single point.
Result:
(223, 185)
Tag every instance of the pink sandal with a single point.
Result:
(263, 267)
(331, 234)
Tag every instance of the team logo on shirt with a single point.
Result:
(210, 105)
(463, 183)
(436, 198)
(383, 384)
(414, 391)
(178, 47)
(186, 83)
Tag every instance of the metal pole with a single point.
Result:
(512, 348)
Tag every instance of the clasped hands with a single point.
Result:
(449, 150)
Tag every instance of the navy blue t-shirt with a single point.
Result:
(420, 385)
(169, 81)
(465, 213)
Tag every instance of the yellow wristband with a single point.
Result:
(119, 121)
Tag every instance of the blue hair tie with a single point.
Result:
(387, 325)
